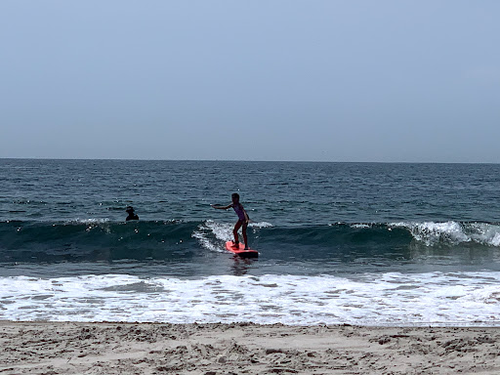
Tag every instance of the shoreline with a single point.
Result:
(244, 348)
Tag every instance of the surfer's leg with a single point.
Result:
(244, 231)
(235, 232)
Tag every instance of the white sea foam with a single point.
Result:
(370, 299)
(88, 221)
(360, 226)
(261, 224)
(211, 233)
(451, 232)
(485, 233)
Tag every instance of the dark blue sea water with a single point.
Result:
(360, 243)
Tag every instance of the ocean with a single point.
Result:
(340, 243)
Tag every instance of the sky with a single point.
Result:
(277, 80)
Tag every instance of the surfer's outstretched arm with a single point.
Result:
(219, 207)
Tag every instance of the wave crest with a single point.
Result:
(102, 240)
(453, 233)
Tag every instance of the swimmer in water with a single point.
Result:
(131, 214)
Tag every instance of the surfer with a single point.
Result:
(242, 222)
(131, 214)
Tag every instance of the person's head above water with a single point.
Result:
(131, 214)
(235, 197)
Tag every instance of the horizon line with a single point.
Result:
(247, 161)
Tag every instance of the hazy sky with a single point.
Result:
(312, 80)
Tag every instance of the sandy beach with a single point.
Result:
(227, 349)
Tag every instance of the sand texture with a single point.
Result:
(224, 349)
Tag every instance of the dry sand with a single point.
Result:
(223, 349)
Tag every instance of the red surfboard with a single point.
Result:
(240, 250)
